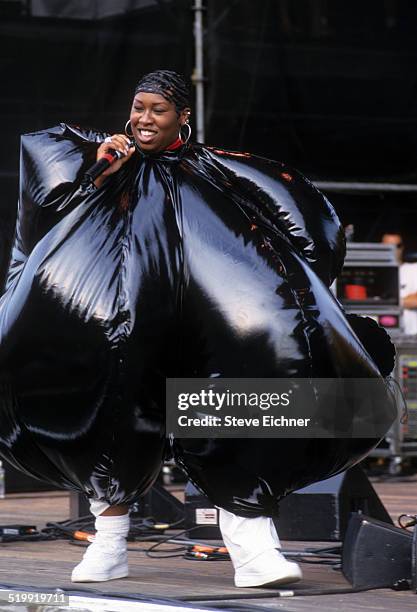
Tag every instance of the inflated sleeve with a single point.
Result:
(284, 199)
(52, 163)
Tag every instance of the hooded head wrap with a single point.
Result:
(169, 84)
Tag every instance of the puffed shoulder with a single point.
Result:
(67, 131)
(280, 197)
(290, 202)
(51, 160)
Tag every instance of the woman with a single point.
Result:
(181, 260)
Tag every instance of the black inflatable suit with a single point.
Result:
(195, 262)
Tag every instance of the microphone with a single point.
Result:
(100, 166)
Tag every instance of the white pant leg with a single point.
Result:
(247, 538)
(97, 507)
(252, 544)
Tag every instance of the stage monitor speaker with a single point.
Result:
(376, 554)
(320, 512)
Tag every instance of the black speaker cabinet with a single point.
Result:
(161, 505)
(201, 516)
(376, 554)
(79, 506)
(320, 512)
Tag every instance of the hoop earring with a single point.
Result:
(188, 135)
(126, 132)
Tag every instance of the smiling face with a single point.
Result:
(155, 121)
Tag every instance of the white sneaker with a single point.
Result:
(101, 562)
(253, 545)
(270, 568)
(106, 557)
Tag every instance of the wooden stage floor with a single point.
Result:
(48, 564)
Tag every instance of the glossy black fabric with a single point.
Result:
(195, 262)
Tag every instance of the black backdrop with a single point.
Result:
(327, 85)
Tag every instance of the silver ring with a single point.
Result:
(107, 139)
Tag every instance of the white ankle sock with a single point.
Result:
(106, 557)
(114, 525)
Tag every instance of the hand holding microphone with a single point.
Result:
(111, 155)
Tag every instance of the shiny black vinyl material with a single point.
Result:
(196, 262)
